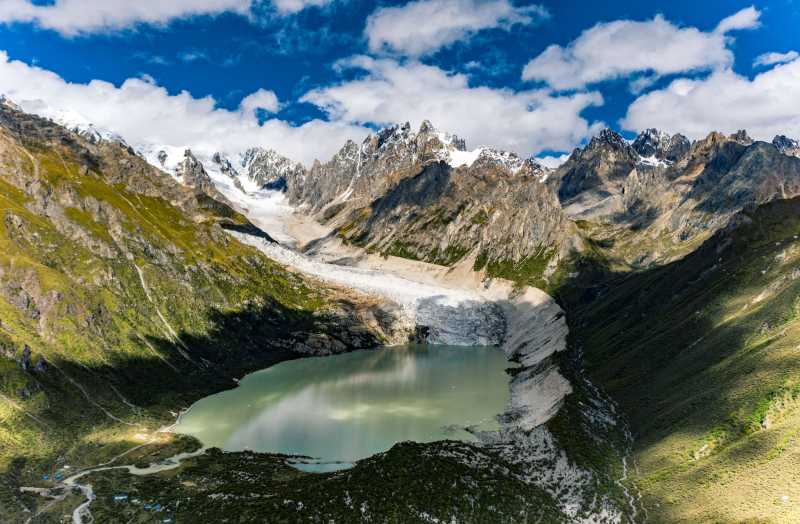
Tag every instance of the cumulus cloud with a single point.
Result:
(75, 17)
(525, 122)
(747, 18)
(146, 114)
(552, 161)
(775, 58)
(624, 47)
(767, 105)
(424, 26)
(261, 99)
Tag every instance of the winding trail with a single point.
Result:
(22, 410)
(89, 399)
(169, 331)
(82, 514)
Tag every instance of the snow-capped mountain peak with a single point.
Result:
(485, 157)
(656, 147)
(267, 167)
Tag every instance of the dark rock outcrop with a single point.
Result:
(660, 145)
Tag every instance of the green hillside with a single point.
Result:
(702, 355)
(122, 298)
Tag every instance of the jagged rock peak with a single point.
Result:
(224, 164)
(257, 158)
(489, 157)
(607, 146)
(391, 135)
(530, 167)
(742, 137)
(716, 138)
(96, 135)
(401, 136)
(786, 145)
(654, 144)
(350, 152)
(7, 102)
(268, 168)
(607, 137)
(190, 169)
(162, 158)
(426, 127)
(191, 172)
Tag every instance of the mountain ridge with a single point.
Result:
(674, 261)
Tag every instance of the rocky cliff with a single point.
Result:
(639, 210)
(421, 195)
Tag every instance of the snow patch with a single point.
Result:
(453, 316)
(464, 158)
(652, 161)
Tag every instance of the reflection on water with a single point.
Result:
(343, 408)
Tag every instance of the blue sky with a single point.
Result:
(327, 70)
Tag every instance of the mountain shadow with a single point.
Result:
(701, 356)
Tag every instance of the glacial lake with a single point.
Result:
(343, 408)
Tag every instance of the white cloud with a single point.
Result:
(146, 114)
(261, 99)
(72, 17)
(192, 56)
(75, 17)
(747, 18)
(552, 161)
(623, 47)
(775, 58)
(767, 105)
(639, 84)
(525, 122)
(158, 60)
(295, 6)
(424, 26)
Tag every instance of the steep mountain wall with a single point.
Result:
(701, 354)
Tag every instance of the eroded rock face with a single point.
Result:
(667, 195)
(661, 145)
(268, 169)
(592, 178)
(786, 145)
(365, 171)
(421, 195)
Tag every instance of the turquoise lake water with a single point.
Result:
(343, 408)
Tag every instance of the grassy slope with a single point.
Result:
(71, 293)
(702, 356)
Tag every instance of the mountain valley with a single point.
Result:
(646, 292)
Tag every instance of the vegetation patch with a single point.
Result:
(528, 271)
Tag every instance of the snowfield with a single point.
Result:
(452, 316)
